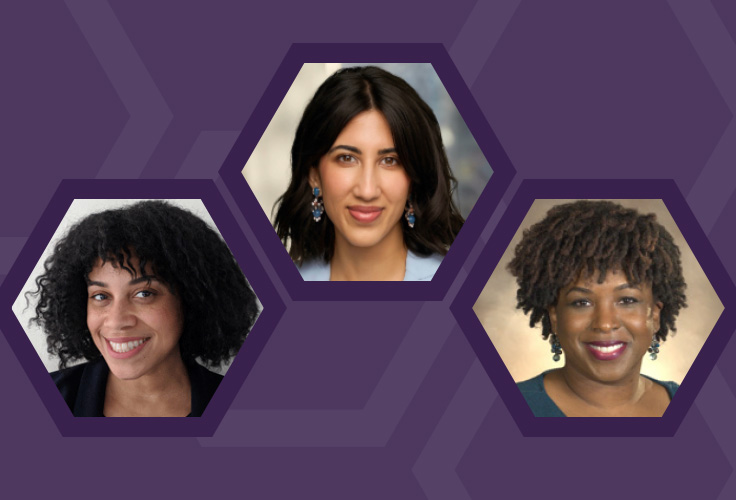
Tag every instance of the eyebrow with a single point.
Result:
(145, 278)
(352, 149)
(355, 150)
(618, 288)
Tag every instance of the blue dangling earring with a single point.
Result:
(556, 347)
(409, 216)
(318, 206)
(654, 349)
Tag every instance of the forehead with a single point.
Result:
(369, 127)
(612, 279)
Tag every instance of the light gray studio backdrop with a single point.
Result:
(24, 310)
(268, 170)
(526, 354)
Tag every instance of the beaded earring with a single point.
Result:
(318, 206)
(556, 347)
(409, 215)
(654, 348)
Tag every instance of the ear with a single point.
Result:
(552, 311)
(314, 179)
(656, 311)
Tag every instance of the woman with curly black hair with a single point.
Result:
(142, 293)
(370, 197)
(606, 284)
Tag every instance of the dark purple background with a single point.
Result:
(369, 399)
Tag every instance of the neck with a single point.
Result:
(166, 392)
(628, 391)
(385, 261)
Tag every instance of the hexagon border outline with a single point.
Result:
(41, 234)
(245, 144)
(490, 255)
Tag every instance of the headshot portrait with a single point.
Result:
(598, 308)
(137, 308)
(367, 172)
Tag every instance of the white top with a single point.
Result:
(418, 268)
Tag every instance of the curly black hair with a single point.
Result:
(585, 237)
(219, 306)
(418, 141)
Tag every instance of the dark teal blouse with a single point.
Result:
(541, 404)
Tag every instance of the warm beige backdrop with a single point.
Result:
(526, 354)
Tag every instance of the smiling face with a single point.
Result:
(135, 321)
(363, 184)
(605, 328)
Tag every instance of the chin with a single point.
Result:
(124, 373)
(359, 243)
(362, 240)
(608, 376)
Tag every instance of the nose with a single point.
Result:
(119, 316)
(368, 185)
(605, 318)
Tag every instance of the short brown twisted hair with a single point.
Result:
(585, 237)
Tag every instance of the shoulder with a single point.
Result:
(204, 384)
(315, 270)
(537, 399)
(68, 380)
(670, 387)
(532, 386)
(421, 268)
(83, 387)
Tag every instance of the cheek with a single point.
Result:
(640, 320)
(336, 182)
(93, 320)
(178, 327)
(649, 325)
(399, 184)
(570, 323)
(169, 320)
(94, 325)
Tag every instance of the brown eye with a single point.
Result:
(580, 303)
(346, 159)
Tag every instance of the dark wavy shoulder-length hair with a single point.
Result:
(596, 236)
(219, 306)
(418, 143)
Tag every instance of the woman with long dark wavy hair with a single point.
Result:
(370, 197)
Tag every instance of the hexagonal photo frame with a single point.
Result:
(208, 204)
(300, 56)
(508, 358)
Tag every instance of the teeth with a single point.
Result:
(125, 346)
(606, 349)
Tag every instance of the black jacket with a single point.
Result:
(83, 387)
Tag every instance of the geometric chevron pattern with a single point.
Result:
(160, 90)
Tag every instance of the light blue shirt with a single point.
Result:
(418, 268)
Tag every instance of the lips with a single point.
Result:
(606, 350)
(364, 214)
(122, 348)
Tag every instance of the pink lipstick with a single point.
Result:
(606, 350)
(364, 214)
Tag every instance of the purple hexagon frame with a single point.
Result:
(432, 53)
(462, 306)
(273, 307)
